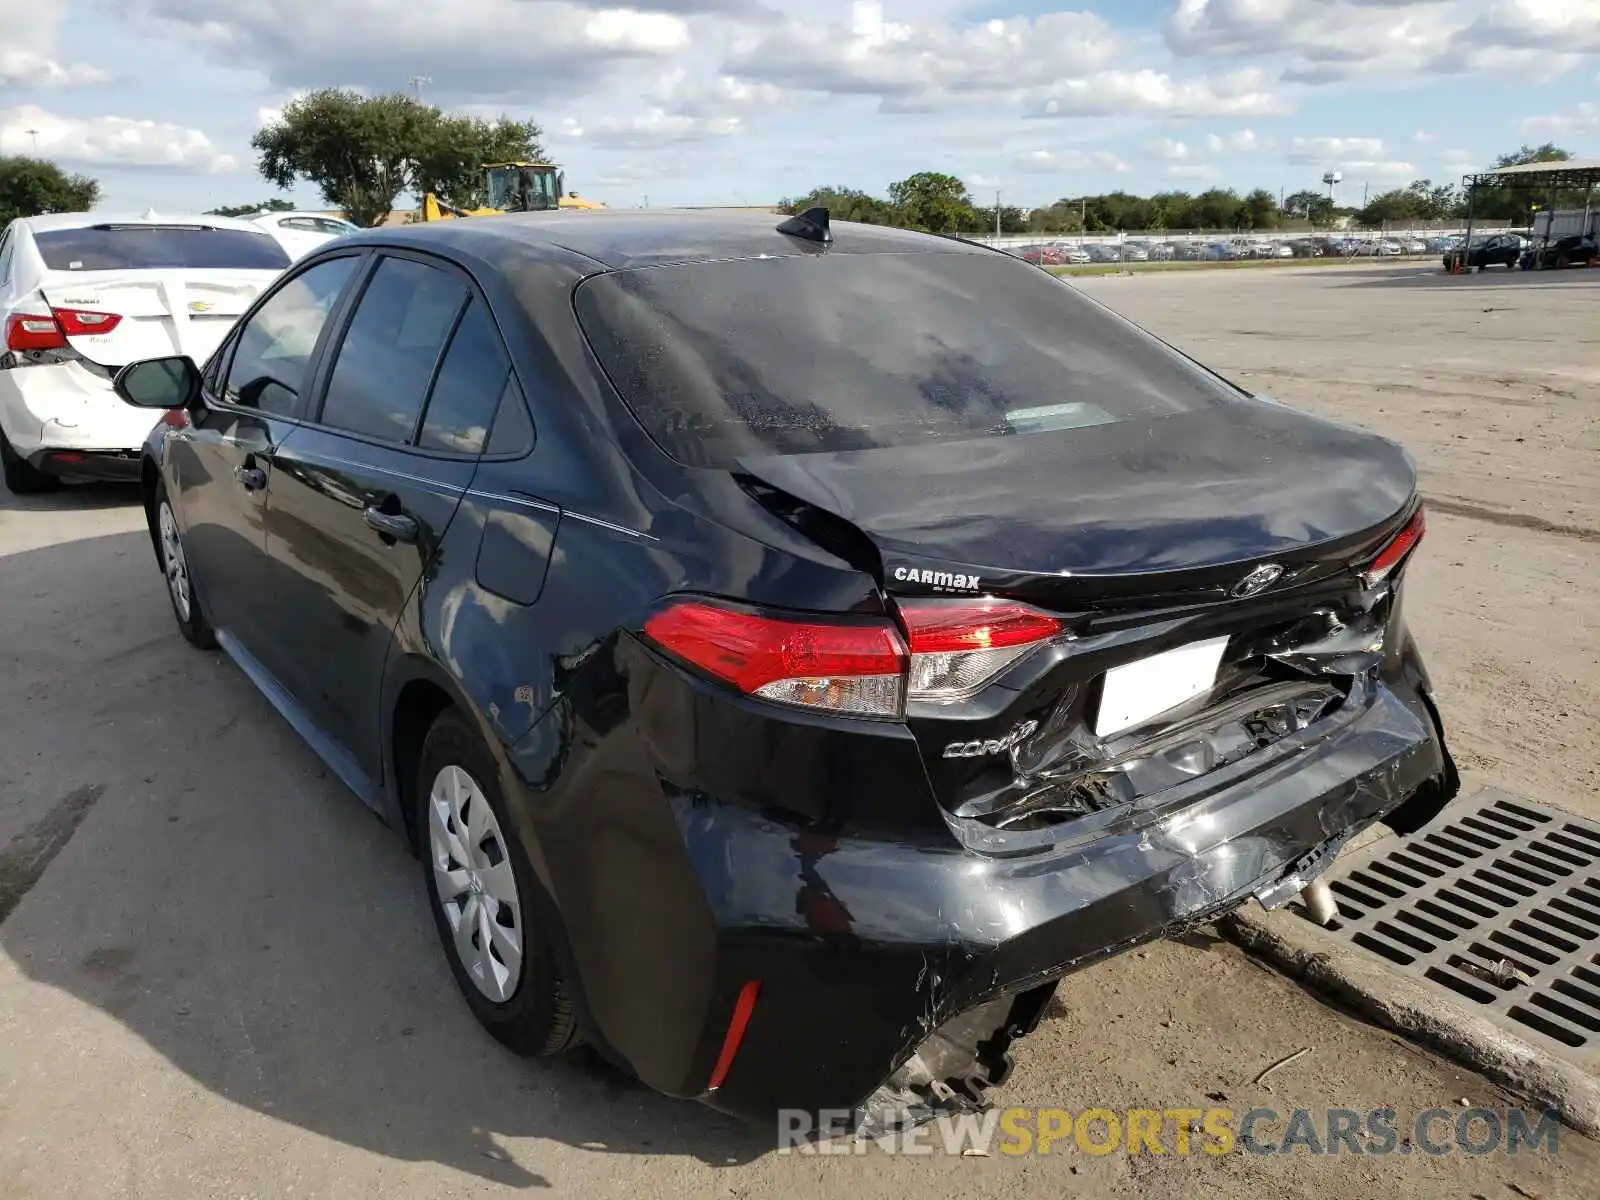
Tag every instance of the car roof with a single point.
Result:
(261, 214)
(82, 220)
(623, 238)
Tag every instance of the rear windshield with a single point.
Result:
(723, 360)
(153, 247)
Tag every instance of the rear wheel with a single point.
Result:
(174, 561)
(488, 906)
(21, 476)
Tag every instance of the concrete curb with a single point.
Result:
(1305, 953)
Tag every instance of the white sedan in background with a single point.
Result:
(84, 294)
(302, 232)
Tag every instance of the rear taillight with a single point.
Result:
(80, 322)
(1395, 551)
(958, 648)
(854, 667)
(33, 331)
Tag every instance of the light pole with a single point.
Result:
(997, 216)
(418, 82)
(34, 134)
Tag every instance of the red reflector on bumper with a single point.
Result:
(743, 1008)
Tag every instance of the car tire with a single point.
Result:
(488, 905)
(21, 476)
(174, 562)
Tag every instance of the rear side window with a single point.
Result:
(380, 375)
(275, 345)
(158, 247)
(859, 351)
(467, 390)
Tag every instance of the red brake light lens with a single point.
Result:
(855, 668)
(1402, 544)
(79, 322)
(957, 649)
(33, 331)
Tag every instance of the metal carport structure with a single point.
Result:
(1546, 177)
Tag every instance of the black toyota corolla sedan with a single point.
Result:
(789, 648)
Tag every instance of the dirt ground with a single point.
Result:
(218, 976)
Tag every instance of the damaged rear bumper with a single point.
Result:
(869, 994)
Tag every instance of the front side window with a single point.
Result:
(274, 348)
(382, 369)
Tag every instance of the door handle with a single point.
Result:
(251, 478)
(396, 526)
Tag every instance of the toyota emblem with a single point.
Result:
(1258, 580)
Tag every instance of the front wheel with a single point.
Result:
(174, 561)
(488, 906)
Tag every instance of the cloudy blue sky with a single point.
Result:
(745, 101)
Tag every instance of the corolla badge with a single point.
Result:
(1258, 580)
(982, 747)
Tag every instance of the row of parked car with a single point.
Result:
(1521, 251)
(1064, 253)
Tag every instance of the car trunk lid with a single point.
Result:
(1093, 516)
(157, 312)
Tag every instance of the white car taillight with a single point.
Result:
(958, 647)
(849, 666)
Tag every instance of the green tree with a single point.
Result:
(451, 156)
(276, 204)
(844, 204)
(1523, 155)
(359, 150)
(30, 186)
(1259, 210)
(1503, 202)
(1216, 209)
(932, 201)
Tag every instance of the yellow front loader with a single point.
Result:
(513, 187)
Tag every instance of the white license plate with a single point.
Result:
(1137, 691)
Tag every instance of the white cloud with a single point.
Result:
(653, 127)
(109, 141)
(921, 66)
(1326, 41)
(1244, 141)
(1192, 172)
(485, 49)
(1582, 119)
(1314, 151)
(1384, 169)
(1122, 93)
(27, 57)
(1168, 148)
(1053, 162)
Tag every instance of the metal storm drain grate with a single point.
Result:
(1498, 900)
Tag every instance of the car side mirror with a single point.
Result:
(159, 383)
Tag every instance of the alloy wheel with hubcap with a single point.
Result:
(474, 883)
(174, 564)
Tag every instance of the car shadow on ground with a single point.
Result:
(189, 869)
(71, 497)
